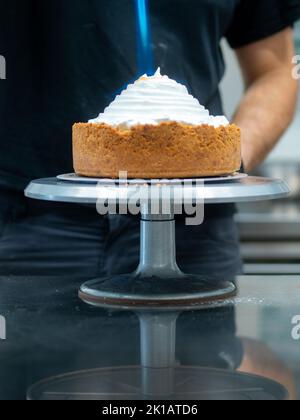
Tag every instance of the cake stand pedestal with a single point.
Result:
(157, 281)
(158, 291)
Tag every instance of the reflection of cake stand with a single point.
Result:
(158, 291)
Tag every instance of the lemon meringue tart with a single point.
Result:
(155, 129)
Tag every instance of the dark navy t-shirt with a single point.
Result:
(66, 60)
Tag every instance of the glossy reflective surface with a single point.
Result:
(50, 332)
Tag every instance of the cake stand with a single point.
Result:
(158, 280)
(157, 291)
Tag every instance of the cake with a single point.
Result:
(156, 129)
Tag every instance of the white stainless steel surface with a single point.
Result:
(271, 269)
(279, 221)
(271, 251)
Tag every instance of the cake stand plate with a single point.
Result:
(77, 178)
(247, 189)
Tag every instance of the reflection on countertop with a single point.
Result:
(49, 331)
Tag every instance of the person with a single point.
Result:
(65, 63)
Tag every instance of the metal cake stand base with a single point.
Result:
(132, 292)
(158, 282)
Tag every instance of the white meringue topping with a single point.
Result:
(156, 99)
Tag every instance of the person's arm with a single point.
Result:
(269, 103)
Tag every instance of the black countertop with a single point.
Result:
(49, 332)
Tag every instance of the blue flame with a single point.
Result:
(144, 40)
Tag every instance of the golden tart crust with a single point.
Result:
(167, 150)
